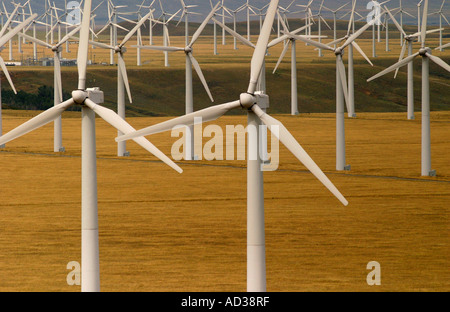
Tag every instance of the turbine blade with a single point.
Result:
(159, 48)
(135, 29)
(83, 48)
(69, 35)
(424, 23)
(36, 122)
(234, 34)
(395, 66)
(283, 53)
(355, 45)
(35, 40)
(261, 47)
(198, 32)
(297, 150)
(207, 114)
(395, 22)
(123, 71)
(200, 74)
(357, 34)
(438, 61)
(402, 55)
(13, 32)
(5, 71)
(312, 42)
(120, 124)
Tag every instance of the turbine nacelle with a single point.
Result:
(57, 49)
(120, 49)
(339, 51)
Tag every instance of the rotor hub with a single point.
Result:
(247, 100)
(188, 49)
(339, 51)
(423, 51)
(79, 96)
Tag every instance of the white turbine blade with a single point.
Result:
(200, 75)
(5, 71)
(443, 46)
(284, 37)
(118, 26)
(123, 70)
(261, 47)
(36, 122)
(312, 42)
(352, 16)
(395, 22)
(394, 67)
(234, 34)
(402, 54)
(13, 32)
(438, 61)
(198, 32)
(341, 71)
(283, 53)
(207, 114)
(69, 35)
(83, 48)
(417, 34)
(297, 150)
(120, 124)
(323, 20)
(133, 31)
(8, 22)
(35, 40)
(104, 28)
(357, 34)
(355, 45)
(336, 41)
(424, 23)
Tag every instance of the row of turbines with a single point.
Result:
(254, 100)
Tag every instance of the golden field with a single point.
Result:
(164, 231)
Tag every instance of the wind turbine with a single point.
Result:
(113, 25)
(319, 18)
(254, 103)
(400, 12)
(441, 16)
(190, 61)
(185, 14)
(10, 20)
(249, 8)
(291, 41)
(425, 53)
(233, 13)
(308, 16)
(4, 38)
(408, 44)
(164, 23)
(282, 15)
(334, 19)
(57, 83)
(88, 100)
(341, 91)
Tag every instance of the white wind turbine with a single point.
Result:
(190, 61)
(408, 44)
(341, 91)
(290, 41)
(57, 83)
(319, 19)
(112, 25)
(334, 19)
(254, 103)
(441, 16)
(4, 38)
(233, 14)
(87, 98)
(10, 19)
(308, 16)
(425, 53)
(282, 16)
(164, 23)
(401, 11)
(186, 12)
(248, 8)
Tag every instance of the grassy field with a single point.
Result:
(164, 231)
